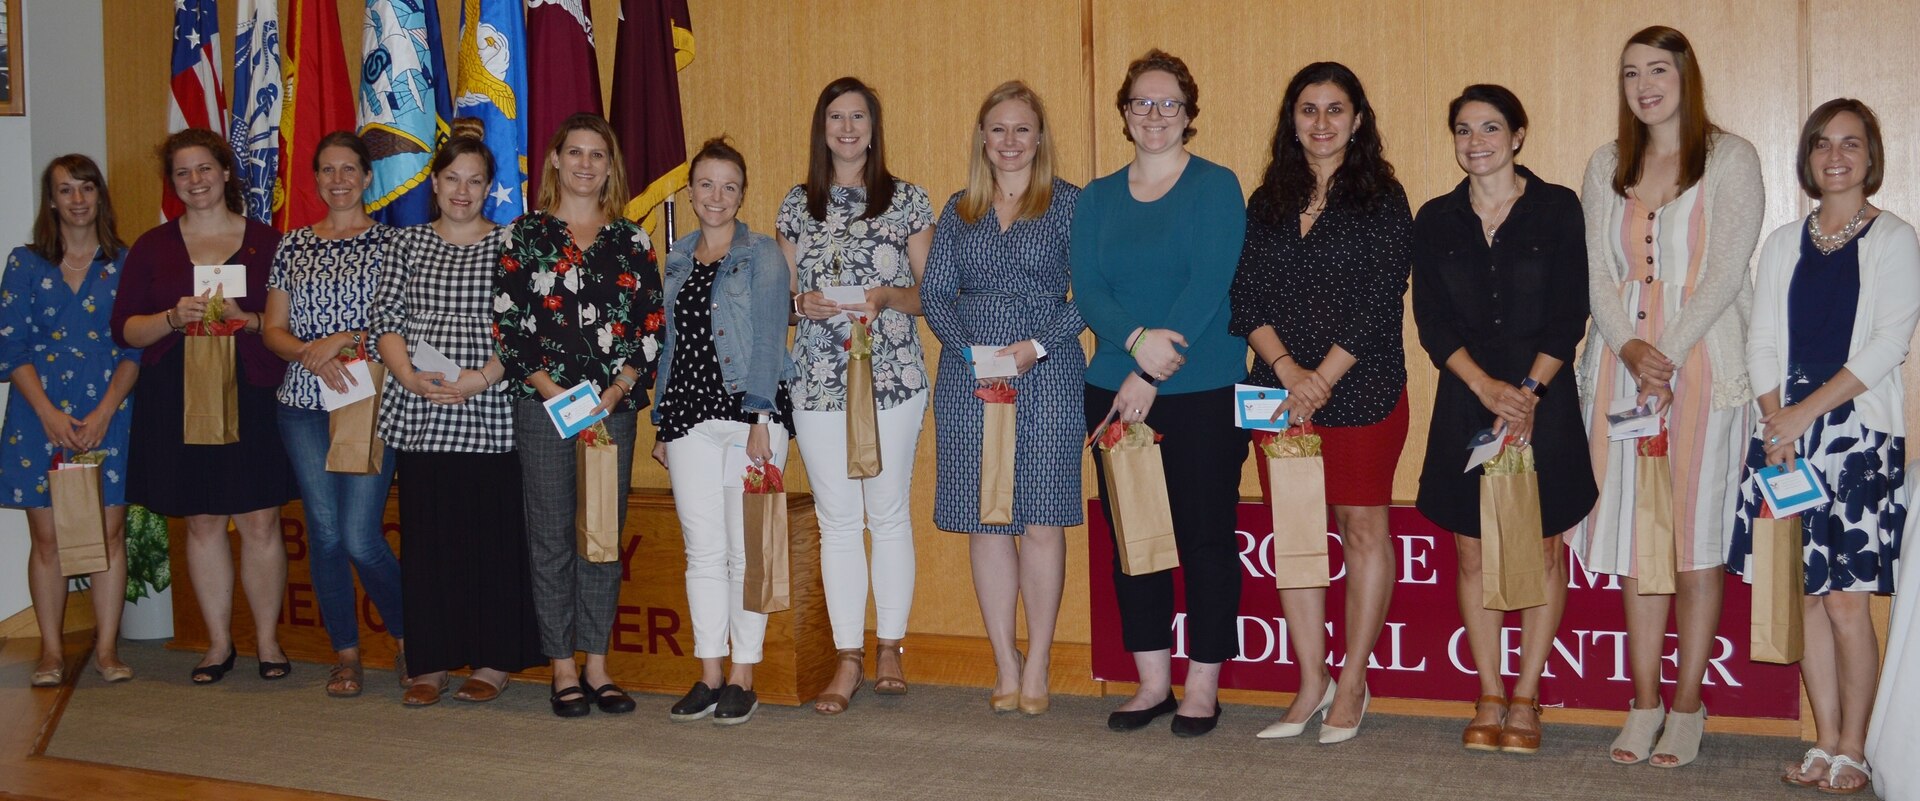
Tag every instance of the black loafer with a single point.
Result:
(696, 704)
(571, 702)
(735, 706)
(1128, 721)
(1184, 726)
(610, 698)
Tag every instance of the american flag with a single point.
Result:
(196, 100)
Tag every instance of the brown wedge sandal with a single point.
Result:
(882, 683)
(1485, 736)
(834, 703)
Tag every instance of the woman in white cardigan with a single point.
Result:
(1835, 302)
(1673, 210)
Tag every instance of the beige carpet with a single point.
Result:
(938, 743)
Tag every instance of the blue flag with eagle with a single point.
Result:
(493, 89)
(405, 106)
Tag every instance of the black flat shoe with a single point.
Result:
(212, 674)
(610, 698)
(275, 671)
(696, 704)
(736, 705)
(1184, 726)
(570, 702)
(1128, 721)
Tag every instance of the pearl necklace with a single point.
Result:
(1828, 243)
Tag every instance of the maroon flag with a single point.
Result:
(655, 43)
(566, 72)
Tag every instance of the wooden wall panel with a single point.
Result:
(758, 67)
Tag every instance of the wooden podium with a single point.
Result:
(652, 645)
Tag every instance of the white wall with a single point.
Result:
(65, 90)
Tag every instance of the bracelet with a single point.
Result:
(625, 382)
(1135, 343)
(1275, 364)
(170, 323)
(1147, 377)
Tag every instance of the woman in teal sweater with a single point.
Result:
(1153, 255)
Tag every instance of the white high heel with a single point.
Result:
(1336, 734)
(1282, 729)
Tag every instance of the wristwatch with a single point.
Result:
(762, 419)
(1538, 389)
(1147, 377)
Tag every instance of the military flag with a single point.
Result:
(493, 89)
(254, 133)
(405, 105)
(195, 100)
(319, 101)
(567, 72)
(655, 43)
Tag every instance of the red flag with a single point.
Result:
(566, 72)
(319, 101)
(655, 43)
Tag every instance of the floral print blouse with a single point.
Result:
(847, 250)
(579, 315)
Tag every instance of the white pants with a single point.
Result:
(843, 504)
(712, 524)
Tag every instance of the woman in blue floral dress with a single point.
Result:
(1835, 301)
(997, 277)
(70, 395)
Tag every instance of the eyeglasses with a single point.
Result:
(1139, 106)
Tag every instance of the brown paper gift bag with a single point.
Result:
(1136, 484)
(79, 522)
(1779, 584)
(863, 426)
(212, 399)
(1297, 499)
(768, 578)
(1513, 565)
(996, 454)
(1654, 560)
(354, 445)
(596, 509)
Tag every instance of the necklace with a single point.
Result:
(83, 265)
(1828, 243)
(1499, 215)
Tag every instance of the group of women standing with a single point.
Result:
(1177, 279)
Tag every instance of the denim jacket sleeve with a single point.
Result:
(771, 303)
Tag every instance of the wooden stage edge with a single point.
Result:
(29, 717)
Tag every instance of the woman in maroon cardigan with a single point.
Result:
(245, 481)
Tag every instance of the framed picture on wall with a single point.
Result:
(13, 80)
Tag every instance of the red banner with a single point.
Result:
(1422, 652)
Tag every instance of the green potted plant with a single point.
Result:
(149, 611)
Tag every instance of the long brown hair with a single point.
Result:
(613, 193)
(1695, 129)
(980, 178)
(222, 155)
(47, 241)
(879, 182)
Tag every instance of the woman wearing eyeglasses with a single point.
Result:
(1152, 253)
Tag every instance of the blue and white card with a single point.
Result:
(1482, 448)
(573, 411)
(1791, 490)
(1253, 407)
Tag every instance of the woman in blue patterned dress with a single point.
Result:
(854, 224)
(997, 277)
(318, 293)
(1834, 306)
(70, 387)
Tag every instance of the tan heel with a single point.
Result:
(1485, 736)
(1010, 701)
(834, 703)
(882, 683)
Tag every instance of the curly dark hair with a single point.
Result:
(1364, 177)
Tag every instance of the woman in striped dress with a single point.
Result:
(1673, 213)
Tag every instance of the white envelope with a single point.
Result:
(1482, 447)
(359, 387)
(844, 295)
(231, 279)
(429, 359)
(987, 365)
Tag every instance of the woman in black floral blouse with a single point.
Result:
(577, 298)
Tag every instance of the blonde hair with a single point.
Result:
(978, 196)
(613, 193)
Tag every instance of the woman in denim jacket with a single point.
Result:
(720, 393)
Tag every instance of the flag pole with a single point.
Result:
(666, 223)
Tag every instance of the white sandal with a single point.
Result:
(1844, 761)
(1806, 767)
(1681, 740)
(1636, 737)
